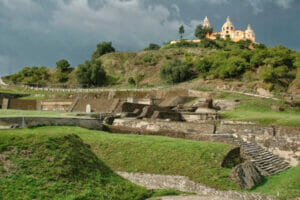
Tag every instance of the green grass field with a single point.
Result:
(45, 163)
(286, 184)
(160, 155)
(258, 109)
(55, 151)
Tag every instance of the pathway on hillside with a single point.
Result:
(182, 183)
(1, 82)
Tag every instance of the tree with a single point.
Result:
(103, 48)
(201, 31)
(176, 71)
(91, 74)
(181, 31)
(63, 65)
(152, 47)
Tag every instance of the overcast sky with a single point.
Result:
(40, 32)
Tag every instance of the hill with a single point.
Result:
(252, 65)
(41, 166)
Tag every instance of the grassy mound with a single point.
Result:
(200, 161)
(37, 166)
(260, 110)
(286, 184)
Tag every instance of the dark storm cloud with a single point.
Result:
(40, 32)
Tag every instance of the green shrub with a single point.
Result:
(207, 43)
(152, 47)
(91, 74)
(150, 59)
(204, 66)
(32, 76)
(103, 48)
(176, 71)
(131, 81)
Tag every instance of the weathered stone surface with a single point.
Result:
(181, 183)
(246, 175)
(277, 108)
(226, 104)
(94, 124)
(264, 92)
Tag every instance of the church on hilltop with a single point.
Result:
(228, 30)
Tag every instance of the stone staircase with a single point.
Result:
(74, 104)
(267, 163)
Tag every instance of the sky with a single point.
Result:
(41, 32)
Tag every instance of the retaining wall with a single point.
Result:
(282, 141)
(22, 104)
(44, 121)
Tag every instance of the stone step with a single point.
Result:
(265, 161)
(265, 153)
(273, 162)
(270, 165)
(267, 157)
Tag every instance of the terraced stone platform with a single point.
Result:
(267, 163)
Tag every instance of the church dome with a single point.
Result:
(228, 26)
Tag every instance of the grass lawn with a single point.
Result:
(258, 109)
(45, 163)
(200, 161)
(285, 184)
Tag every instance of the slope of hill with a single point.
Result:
(57, 167)
(254, 65)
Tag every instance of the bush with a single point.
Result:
(131, 81)
(149, 59)
(63, 65)
(204, 66)
(176, 71)
(33, 76)
(103, 48)
(152, 47)
(91, 74)
(211, 44)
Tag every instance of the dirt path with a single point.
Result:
(181, 183)
(1, 82)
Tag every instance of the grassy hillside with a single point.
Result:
(47, 163)
(160, 155)
(284, 185)
(42, 166)
(259, 110)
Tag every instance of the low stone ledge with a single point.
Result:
(93, 124)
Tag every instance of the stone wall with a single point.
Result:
(44, 121)
(192, 129)
(56, 105)
(199, 117)
(97, 105)
(22, 104)
(282, 141)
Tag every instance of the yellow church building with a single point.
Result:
(228, 30)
